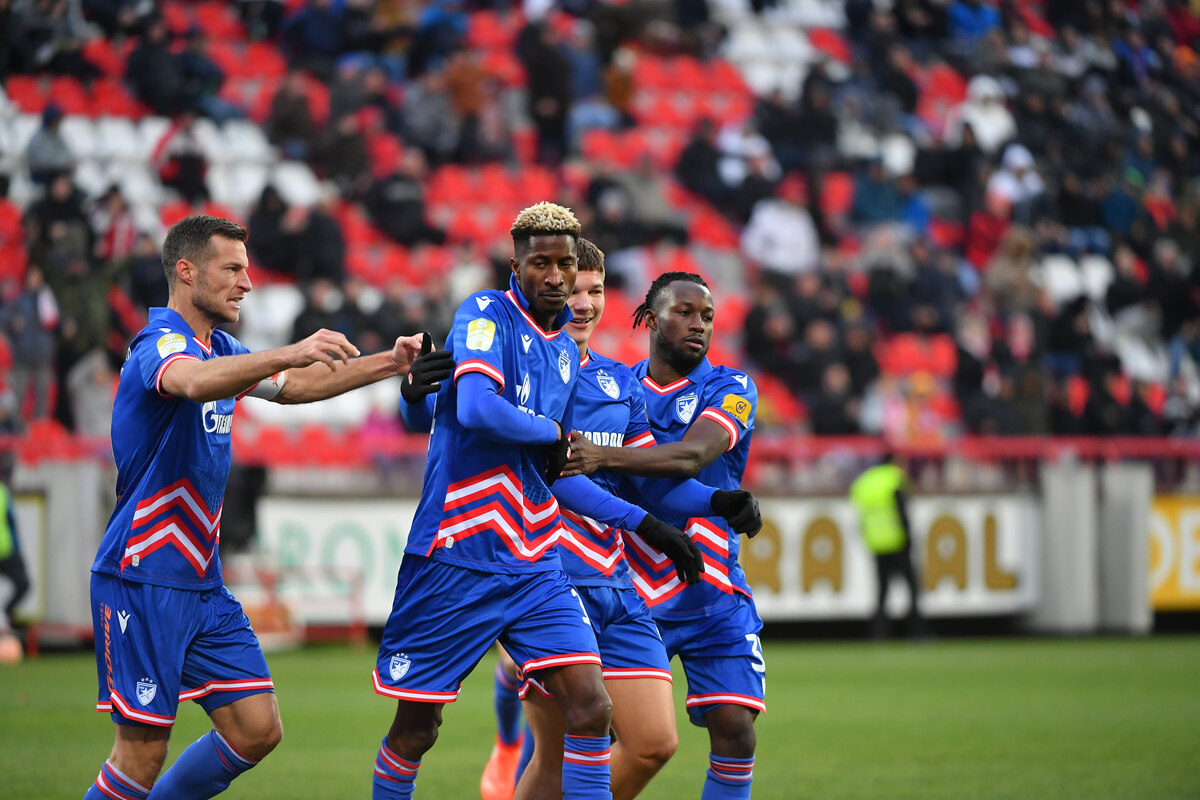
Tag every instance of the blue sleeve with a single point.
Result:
(153, 352)
(585, 498)
(418, 417)
(483, 410)
(676, 496)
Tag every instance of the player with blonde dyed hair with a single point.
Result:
(480, 563)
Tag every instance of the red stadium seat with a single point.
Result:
(100, 52)
(503, 65)
(712, 229)
(836, 194)
(265, 60)
(111, 98)
(384, 150)
(688, 74)
(12, 229)
(396, 263)
(175, 15)
(171, 213)
(487, 30)
(725, 77)
(650, 72)
(1078, 391)
(831, 43)
(69, 95)
(218, 21)
(25, 92)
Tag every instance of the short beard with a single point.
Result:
(678, 359)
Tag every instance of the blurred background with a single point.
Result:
(963, 232)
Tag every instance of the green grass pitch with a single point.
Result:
(954, 719)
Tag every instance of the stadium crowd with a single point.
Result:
(925, 217)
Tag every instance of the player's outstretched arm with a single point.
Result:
(704, 442)
(230, 376)
(580, 495)
(690, 498)
(323, 378)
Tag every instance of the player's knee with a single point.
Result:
(258, 741)
(414, 741)
(590, 715)
(732, 730)
(142, 764)
(656, 752)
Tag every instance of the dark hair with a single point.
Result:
(657, 291)
(191, 239)
(588, 257)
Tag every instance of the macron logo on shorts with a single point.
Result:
(123, 618)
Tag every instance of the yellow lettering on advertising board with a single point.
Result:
(1175, 553)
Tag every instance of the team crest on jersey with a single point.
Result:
(398, 667)
(564, 366)
(146, 691)
(480, 334)
(685, 406)
(170, 343)
(609, 384)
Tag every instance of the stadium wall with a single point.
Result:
(1094, 550)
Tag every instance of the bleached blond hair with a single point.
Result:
(543, 219)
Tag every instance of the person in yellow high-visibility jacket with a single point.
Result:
(879, 495)
(12, 565)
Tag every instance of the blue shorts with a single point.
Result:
(157, 646)
(445, 618)
(630, 645)
(722, 658)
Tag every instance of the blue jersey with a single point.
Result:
(610, 410)
(172, 459)
(485, 504)
(730, 399)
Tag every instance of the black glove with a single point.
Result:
(556, 455)
(428, 370)
(740, 510)
(675, 545)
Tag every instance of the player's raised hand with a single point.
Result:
(326, 347)
(740, 510)
(406, 350)
(585, 457)
(675, 545)
(427, 371)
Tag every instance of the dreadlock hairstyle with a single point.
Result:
(655, 296)
(589, 258)
(543, 219)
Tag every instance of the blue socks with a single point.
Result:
(728, 778)
(112, 784)
(585, 772)
(394, 776)
(508, 707)
(203, 770)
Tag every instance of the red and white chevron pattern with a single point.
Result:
(188, 526)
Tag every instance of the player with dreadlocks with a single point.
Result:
(708, 412)
(480, 564)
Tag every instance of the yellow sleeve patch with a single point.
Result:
(170, 343)
(737, 407)
(480, 334)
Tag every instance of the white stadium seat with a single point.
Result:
(296, 183)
